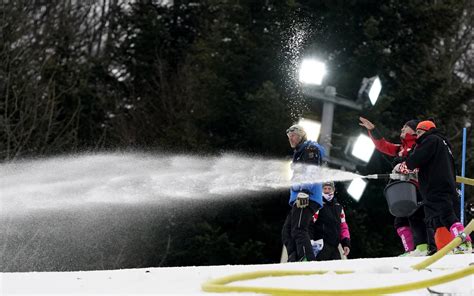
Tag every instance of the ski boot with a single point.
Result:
(465, 247)
(303, 259)
(420, 250)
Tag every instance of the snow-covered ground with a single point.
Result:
(188, 280)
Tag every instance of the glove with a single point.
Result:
(317, 245)
(302, 200)
(346, 250)
(401, 168)
(404, 169)
(413, 175)
(396, 169)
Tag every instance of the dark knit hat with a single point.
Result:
(329, 183)
(412, 124)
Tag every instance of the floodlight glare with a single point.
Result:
(363, 148)
(371, 87)
(356, 188)
(312, 71)
(375, 89)
(312, 128)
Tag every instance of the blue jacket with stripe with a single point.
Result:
(311, 153)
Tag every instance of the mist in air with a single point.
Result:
(128, 178)
(122, 210)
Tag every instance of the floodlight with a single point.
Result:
(312, 71)
(374, 91)
(312, 128)
(356, 188)
(371, 87)
(363, 148)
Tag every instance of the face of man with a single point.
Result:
(294, 139)
(406, 130)
(419, 133)
(327, 190)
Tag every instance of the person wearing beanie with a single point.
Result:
(399, 151)
(416, 238)
(329, 186)
(425, 126)
(330, 227)
(305, 199)
(434, 160)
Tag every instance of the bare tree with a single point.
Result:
(47, 50)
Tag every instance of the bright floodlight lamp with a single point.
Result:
(371, 87)
(356, 188)
(363, 148)
(312, 71)
(312, 128)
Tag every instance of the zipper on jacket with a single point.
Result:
(301, 215)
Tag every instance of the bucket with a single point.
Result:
(401, 198)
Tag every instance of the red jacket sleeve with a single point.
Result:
(385, 146)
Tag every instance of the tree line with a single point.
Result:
(214, 75)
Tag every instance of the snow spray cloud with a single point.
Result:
(116, 178)
(293, 40)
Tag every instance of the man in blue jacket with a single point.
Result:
(305, 199)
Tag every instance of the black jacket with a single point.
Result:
(328, 224)
(437, 174)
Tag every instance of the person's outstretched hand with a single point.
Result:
(366, 123)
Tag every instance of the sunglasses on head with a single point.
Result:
(292, 129)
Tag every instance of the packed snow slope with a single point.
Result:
(368, 273)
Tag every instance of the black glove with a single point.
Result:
(346, 242)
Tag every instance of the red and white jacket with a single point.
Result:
(330, 225)
(399, 151)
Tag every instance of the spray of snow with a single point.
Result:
(293, 39)
(133, 178)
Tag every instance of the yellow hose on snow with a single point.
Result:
(445, 250)
(219, 285)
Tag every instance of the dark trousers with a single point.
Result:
(329, 253)
(446, 220)
(442, 211)
(295, 234)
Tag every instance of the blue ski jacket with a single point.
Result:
(308, 152)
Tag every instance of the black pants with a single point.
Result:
(442, 211)
(329, 253)
(295, 234)
(446, 220)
